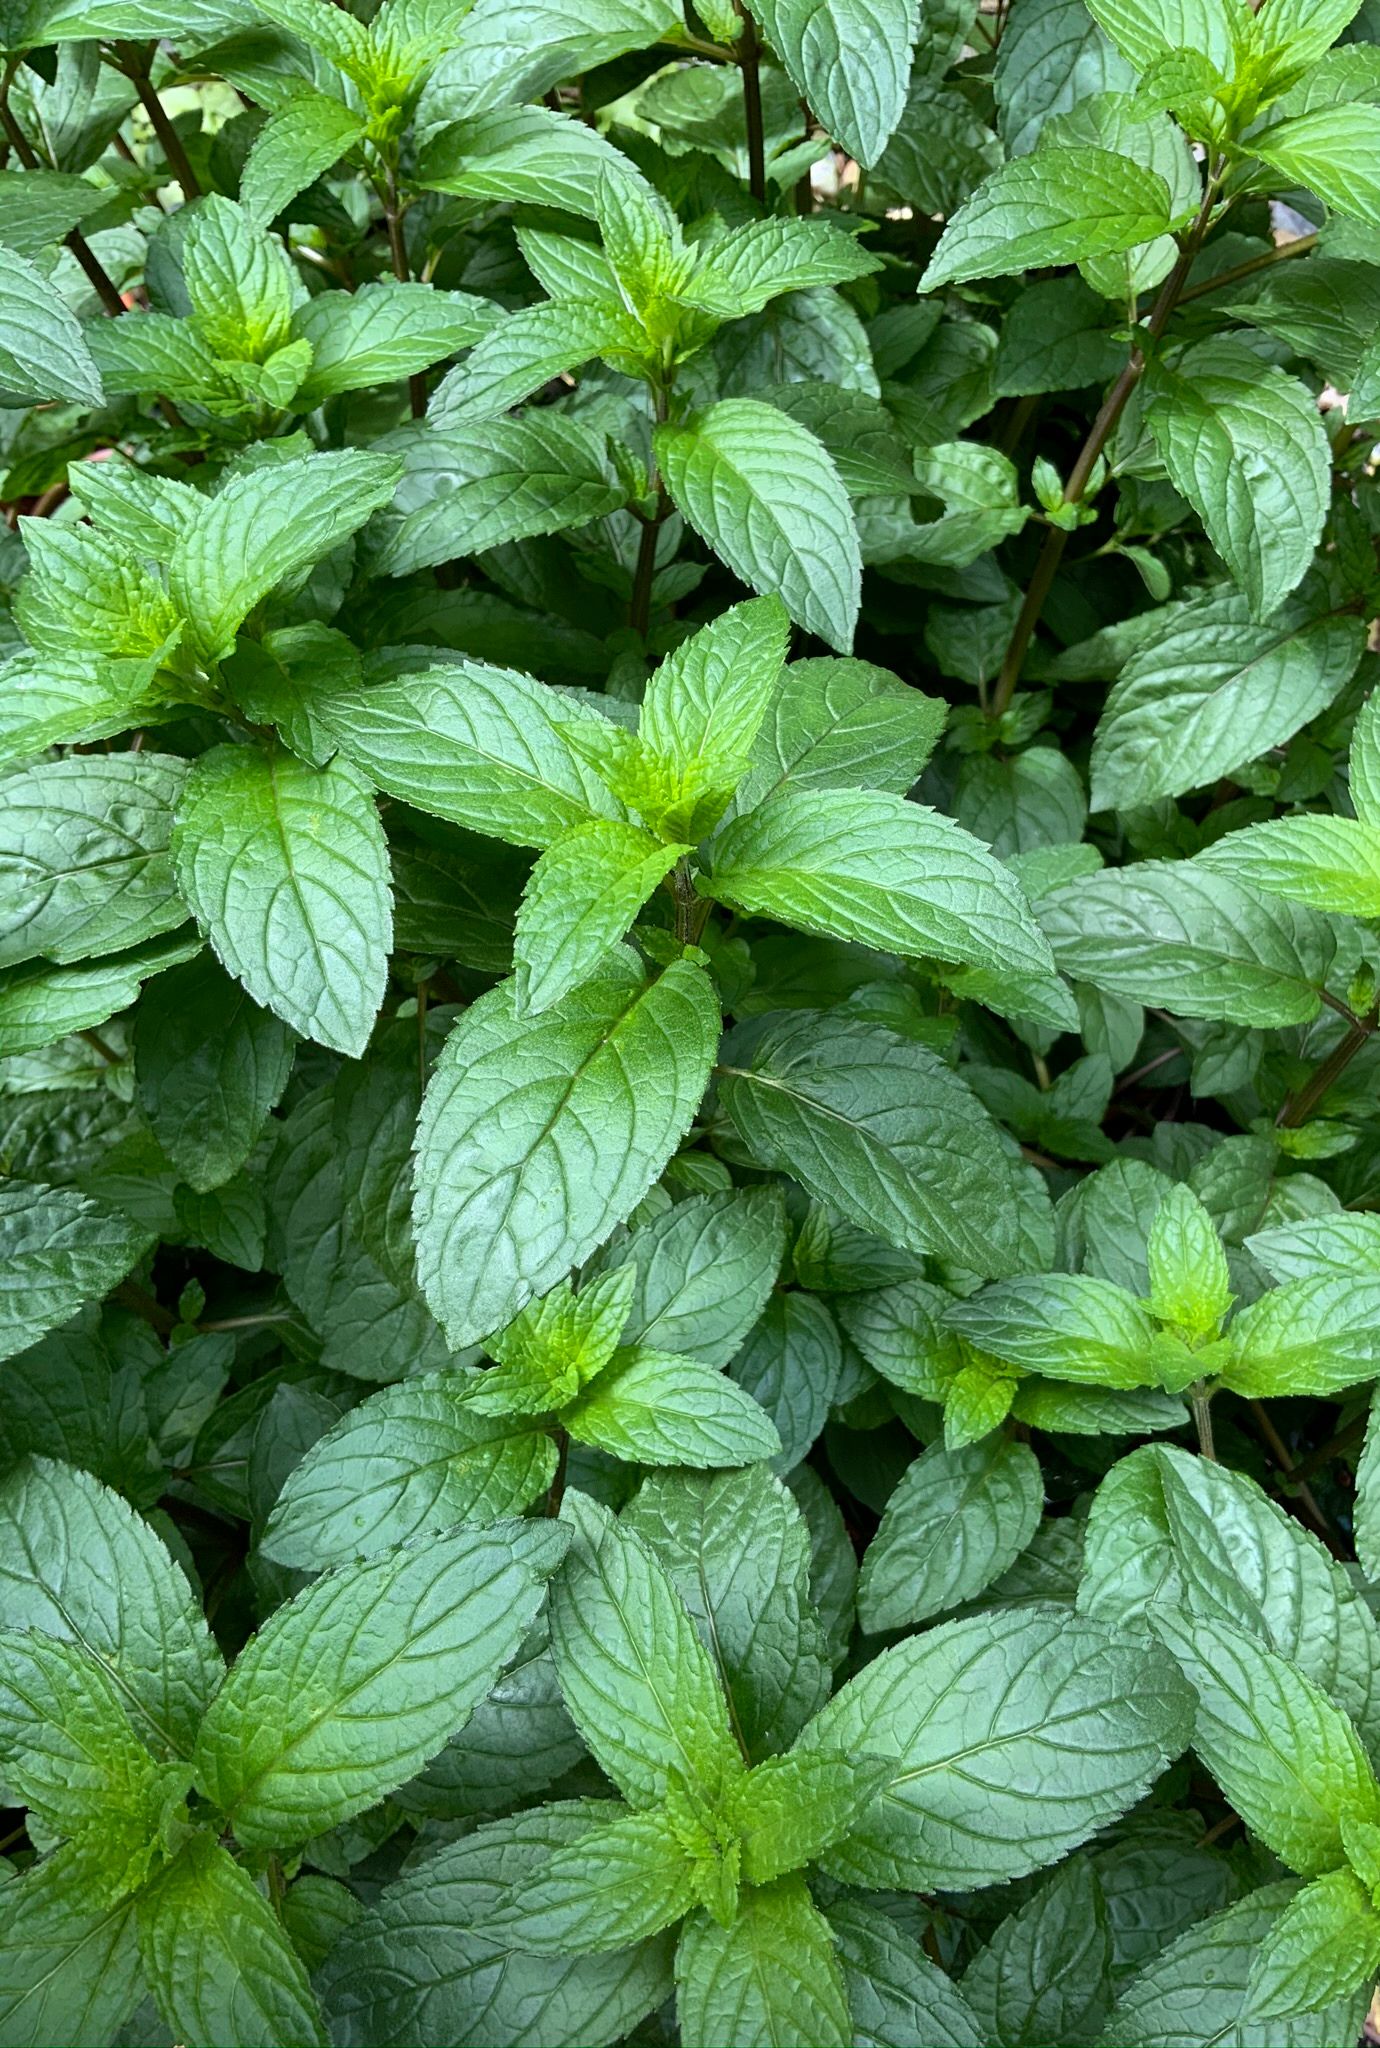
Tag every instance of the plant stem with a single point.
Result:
(1201, 1403)
(748, 61)
(1299, 1106)
(1298, 247)
(557, 1493)
(640, 610)
(76, 241)
(134, 62)
(397, 249)
(1099, 434)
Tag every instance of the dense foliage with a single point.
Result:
(689, 933)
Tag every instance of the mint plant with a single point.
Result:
(689, 1023)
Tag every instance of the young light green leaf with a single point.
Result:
(584, 892)
(1057, 206)
(265, 526)
(1244, 443)
(760, 490)
(755, 263)
(617, 1885)
(958, 1520)
(78, 1563)
(738, 1552)
(1189, 1281)
(484, 746)
(217, 1960)
(879, 1127)
(382, 332)
(592, 1097)
(638, 1682)
(1146, 32)
(49, 700)
(349, 1688)
(655, 1408)
(841, 724)
(297, 144)
(870, 866)
(704, 704)
(286, 869)
(530, 348)
(69, 1959)
(416, 1457)
(1288, 1760)
(1325, 1947)
(1328, 863)
(983, 1718)
(771, 1976)
(1312, 1336)
(85, 591)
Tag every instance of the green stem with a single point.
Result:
(1201, 1403)
(1099, 434)
(397, 249)
(1299, 1106)
(134, 62)
(1298, 247)
(557, 1493)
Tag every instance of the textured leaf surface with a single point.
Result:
(59, 1249)
(347, 1690)
(957, 1520)
(1057, 206)
(771, 1976)
(286, 868)
(850, 59)
(538, 1135)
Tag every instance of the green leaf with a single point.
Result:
(592, 1097)
(839, 723)
(380, 333)
(1197, 1988)
(43, 353)
(530, 348)
(1209, 683)
(517, 153)
(1334, 152)
(1244, 443)
(238, 281)
(265, 526)
(738, 1552)
(60, 1249)
(69, 1960)
(704, 1270)
(1325, 1947)
(349, 1688)
(481, 486)
(286, 869)
(1054, 57)
(1307, 1337)
(1144, 31)
(584, 892)
(486, 747)
(71, 1756)
(209, 1065)
(416, 1457)
(791, 1364)
(760, 491)
(1045, 1975)
(296, 145)
(157, 352)
(1072, 1326)
(1169, 1527)
(867, 865)
(421, 1965)
(1328, 863)
(1015, 1735)
(1365, 762)
(1190, 940)
(556, 1345)
(40, 1004)
(37, 208)
(84, 864)
(850, 59)
(78, 1563)
(216, 1957)
(957, 1520)
(637, 1681)
(894, 1991)
(1189, 1281)
(753, 264)
(705, 703)
(49, 700)
(86, 592)
(1286, 1758)
(877, 1126)
(771, 1976)
(655, 1408)
(1058, 206)
(617, 1885)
